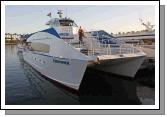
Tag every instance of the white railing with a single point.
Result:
(95, 47)
(147, 46)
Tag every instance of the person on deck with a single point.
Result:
(81, 35)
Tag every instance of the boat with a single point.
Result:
(105, 38)
(57, 54)
(49, 91)
(144, 40)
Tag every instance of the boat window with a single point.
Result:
(40, 47)
(67, 23)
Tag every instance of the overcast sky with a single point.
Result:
(112, 18)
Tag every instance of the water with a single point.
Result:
(24, 86)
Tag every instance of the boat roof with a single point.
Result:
(49, 30)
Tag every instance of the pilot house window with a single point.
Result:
(67, 23)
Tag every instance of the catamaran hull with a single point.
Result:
(150, 57)
(68, 72)
(122, 66)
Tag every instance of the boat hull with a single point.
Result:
(150, 56)
(125, 66)
(68, 72)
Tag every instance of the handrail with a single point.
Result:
(96, 47)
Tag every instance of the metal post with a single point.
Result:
(120, 49)
(133, 49)
(91, 46)
(106, 47)
(110, 48)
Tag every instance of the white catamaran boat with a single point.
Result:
(57, 54)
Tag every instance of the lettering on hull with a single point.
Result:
(62, 61)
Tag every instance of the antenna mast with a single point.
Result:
(147, 25)
(60, 13)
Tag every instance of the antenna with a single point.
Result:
(60, 13)
(140, 20)
(147, 25)
(66, 13)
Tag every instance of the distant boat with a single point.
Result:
(105, 38)
(56, 53)
(144, 40)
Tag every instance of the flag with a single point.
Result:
(49, 14)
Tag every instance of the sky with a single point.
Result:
(111, 18)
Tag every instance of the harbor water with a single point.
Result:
(25, 86)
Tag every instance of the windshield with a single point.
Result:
(67, 23)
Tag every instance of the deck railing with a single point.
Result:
(95, 47)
